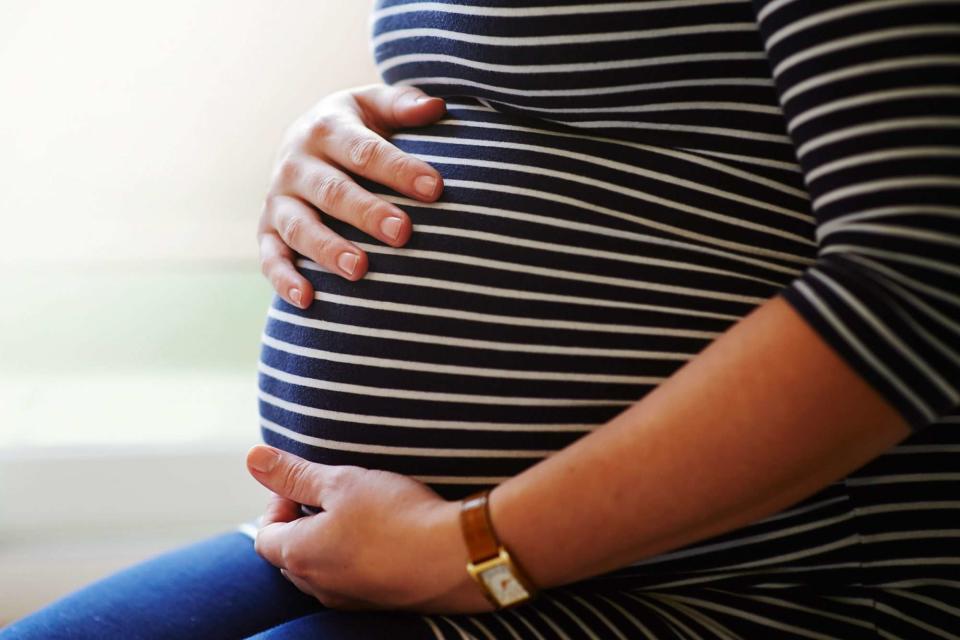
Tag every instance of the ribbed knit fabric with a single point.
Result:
(623, 182)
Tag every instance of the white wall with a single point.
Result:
(137, 140)
(127, 123)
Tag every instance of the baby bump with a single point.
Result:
(557, 280)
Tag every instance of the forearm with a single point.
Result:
(765, 416)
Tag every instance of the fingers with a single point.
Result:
(280, 509)
(276, 263)
(292, 547)
(344, 133)
(280, 543)
(385, 108)
(388, 107)
(363, 152)
(290, 476)
(332, 191)
(297, 226)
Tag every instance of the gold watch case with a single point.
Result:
(500, 580)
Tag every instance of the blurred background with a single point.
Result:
(136, 143)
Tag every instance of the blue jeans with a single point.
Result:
(216, 588)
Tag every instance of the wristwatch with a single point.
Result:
(503, 581)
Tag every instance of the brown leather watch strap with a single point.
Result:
(477, 527)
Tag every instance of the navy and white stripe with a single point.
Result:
(623, 182)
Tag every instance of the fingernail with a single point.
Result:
(413, 100)
(391, 227)
(425, 185)
(410, 99)
(295, 296)
(263, 459)
(348, 262)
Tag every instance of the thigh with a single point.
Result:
(216, 588)
(330, 624)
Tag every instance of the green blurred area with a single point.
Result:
(123, 319)
(130, 356)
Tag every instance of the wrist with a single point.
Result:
(492, 565)
(450, 588)
(512, 529)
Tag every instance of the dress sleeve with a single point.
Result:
(870, 91)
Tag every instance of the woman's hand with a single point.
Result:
(381, 541)
(344, 132)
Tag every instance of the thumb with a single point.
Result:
(287, 475)
(399, 107)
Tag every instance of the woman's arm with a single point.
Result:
(861, 349)
(857, 352)
(763, 417)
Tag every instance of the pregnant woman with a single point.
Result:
(677, 280)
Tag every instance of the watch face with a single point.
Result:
(504, 587)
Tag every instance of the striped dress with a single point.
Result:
(623, 182)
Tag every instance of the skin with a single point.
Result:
(343, 133)
(717, 446)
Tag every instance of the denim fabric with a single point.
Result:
(218, 588)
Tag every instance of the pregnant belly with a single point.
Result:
(558, 279)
